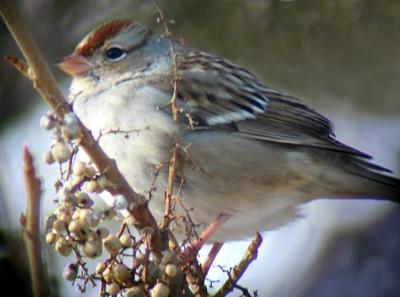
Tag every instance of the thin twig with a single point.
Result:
(31, 227)
(234, 276)
(82, 265)
(194, 279)
(174, 110)
(167, 33)
(161, 19)
(170, 186)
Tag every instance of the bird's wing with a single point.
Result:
(216, 92)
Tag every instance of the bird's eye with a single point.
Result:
(115, 54)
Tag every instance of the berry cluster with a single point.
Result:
(77, 226)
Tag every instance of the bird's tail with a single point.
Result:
(367, 180)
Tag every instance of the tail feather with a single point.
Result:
(373, 180)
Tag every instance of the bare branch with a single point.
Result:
(31, 226)
(234, 276)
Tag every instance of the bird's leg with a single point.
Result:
(190, 253)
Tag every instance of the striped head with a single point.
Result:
(114, 50)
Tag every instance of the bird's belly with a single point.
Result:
(259, 186)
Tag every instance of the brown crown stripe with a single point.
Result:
(98, 36)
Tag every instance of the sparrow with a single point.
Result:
(245, 150)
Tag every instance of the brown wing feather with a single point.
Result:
(216, 92)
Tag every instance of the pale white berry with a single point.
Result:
(89, 216)
(92, 249)
(126, 241)
(63, 214)
(100, 267)
(112, 244)
(48, 158)
(79, 229)
(71, 128)
(122, 273)
(120, 202)
(47, 122)
(160, 290)
(114, 289)
(70, 271)
(171, 270)
(65, 217)
(79, 168)
(135, 292)
(141, 258)
(58, 226)
(61, 152)
(77, 214)
(92, 187)
(102, 182)
(108, 275)
(64, 246)
(51, 238)
(82, 213)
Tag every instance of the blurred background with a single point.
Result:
(342, 57)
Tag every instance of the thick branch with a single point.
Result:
(31, 225)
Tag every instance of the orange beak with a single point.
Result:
(75, 65)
